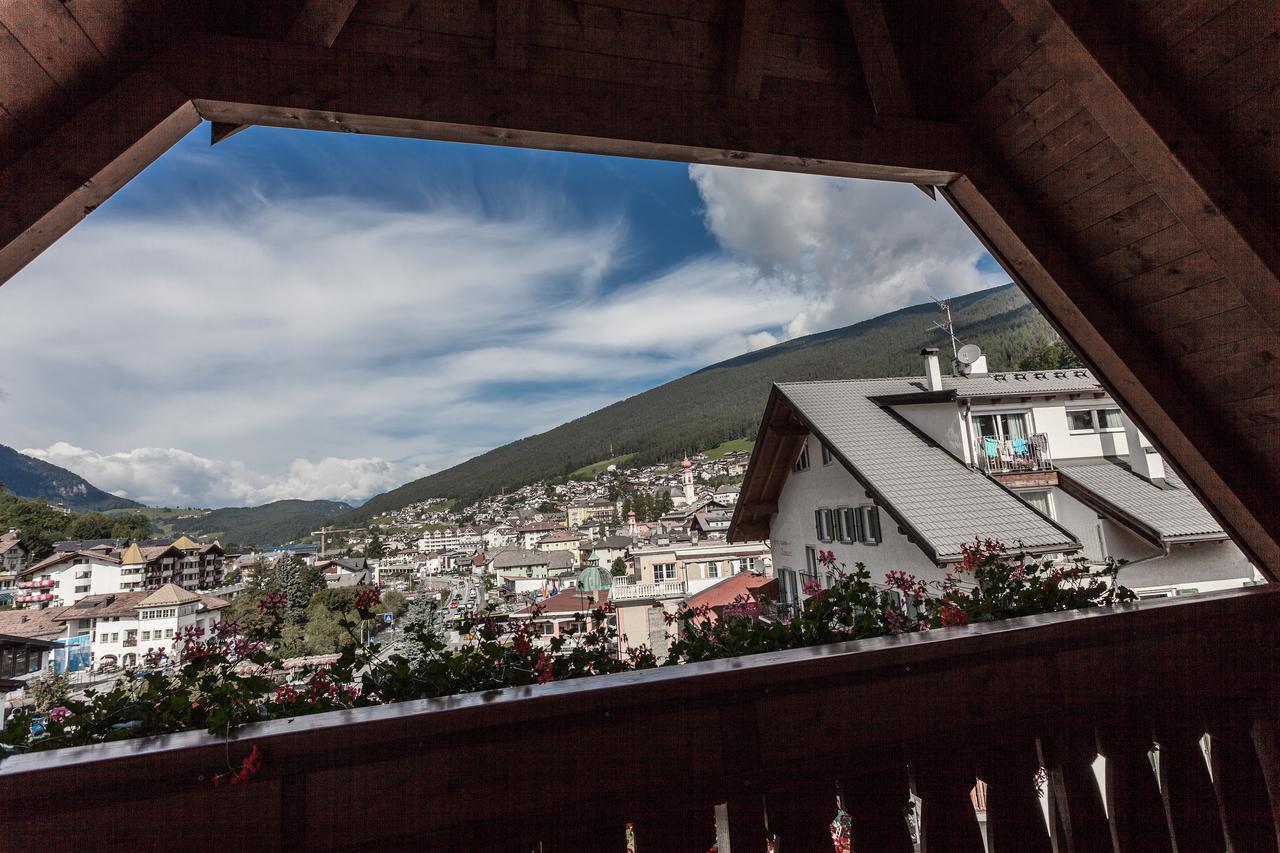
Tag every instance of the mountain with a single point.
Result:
(270, 524)
(32, 478)
(724, 401)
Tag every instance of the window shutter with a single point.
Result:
(871, 533)
(817, 522)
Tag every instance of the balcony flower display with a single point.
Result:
(231, 676)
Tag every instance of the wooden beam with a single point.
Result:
(320, 21)
(67, 175)
(318, 24)
(748, 36)
(1147, 124)
(1234, 486)
(271, 83)
(879, 59)
(511, 34)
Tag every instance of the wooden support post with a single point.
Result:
(1134, 808)
(1241, 789)
(688, 829)
(943, 781)
(748, 40)
(875, 797)
(1186, 791)
(1077, 801)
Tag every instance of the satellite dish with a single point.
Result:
(969, 353)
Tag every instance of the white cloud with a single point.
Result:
(851, 249)
(328, 329)
(171, 477)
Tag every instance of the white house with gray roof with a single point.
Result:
(899, 473)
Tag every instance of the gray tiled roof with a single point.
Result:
(1172, 511)
(1021, 382)
(946, 502)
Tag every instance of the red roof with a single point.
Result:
(570, 601)
(750, 584)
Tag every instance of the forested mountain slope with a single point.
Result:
(33, 478)
(725, 400)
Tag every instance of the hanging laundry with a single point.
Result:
(990, 445)
(1020, 447)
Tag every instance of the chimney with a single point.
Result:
(1144, 460)
(932, 373)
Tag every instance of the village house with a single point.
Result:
(901, 473)
(564, 614)
(561, 540)
(123, 627)
(580, 512)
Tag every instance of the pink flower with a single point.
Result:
(273, 603)
(59, 714)
(953, 615)
(367, 599)
(812, 586)
(543, 667)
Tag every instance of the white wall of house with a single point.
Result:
(943, 422)
(829, 486)
(74, 579)
(157, 627)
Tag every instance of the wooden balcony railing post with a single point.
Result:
(875, 798)
(1081, 823)
(687, 829)
(801, 819)
(1134, 808)
(1266, 740)
(1015, 822)
(1241, 788)
(1186, 791)
(744, 815)
(948, 822)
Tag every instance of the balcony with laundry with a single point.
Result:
(1019, 455)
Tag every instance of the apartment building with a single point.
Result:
(900, 473)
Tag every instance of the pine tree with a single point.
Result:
(416, 627)
(289, 577)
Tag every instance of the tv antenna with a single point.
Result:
(948, 328)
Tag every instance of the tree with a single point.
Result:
(50, 691)
(416, 628)
(375, 550)
(394, 602)
(618, 568)
(289, 577)
(328, 608)
(135, 525)
(1050, 355)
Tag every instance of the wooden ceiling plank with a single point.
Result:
(320, 21)
(97, 152)
(49, 33)
(1058, 147)
(879, 58)
(511, 34)
(748, 44)
(1146, 124)
(110, 26)
(1225, 476)
(1135, 222)
(299, 86)
(24, 85)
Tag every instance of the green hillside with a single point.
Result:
(270, 524)
(724, 401)
(36, 479)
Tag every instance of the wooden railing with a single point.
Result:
(727, 748)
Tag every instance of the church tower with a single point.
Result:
(687, 475)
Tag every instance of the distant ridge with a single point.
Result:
(31, 478)
(724, 401)
(270, 524)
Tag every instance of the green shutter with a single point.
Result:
(817, 523)
(873, 524)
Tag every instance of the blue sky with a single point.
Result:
(293, 314)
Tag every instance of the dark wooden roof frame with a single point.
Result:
(1122, 166)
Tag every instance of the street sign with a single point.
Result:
(388, 618)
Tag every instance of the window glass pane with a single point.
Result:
(1079, 420)
(1039, 500)
(1109, 419)
(1015, 426)
(985, 425)
(811, 560)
